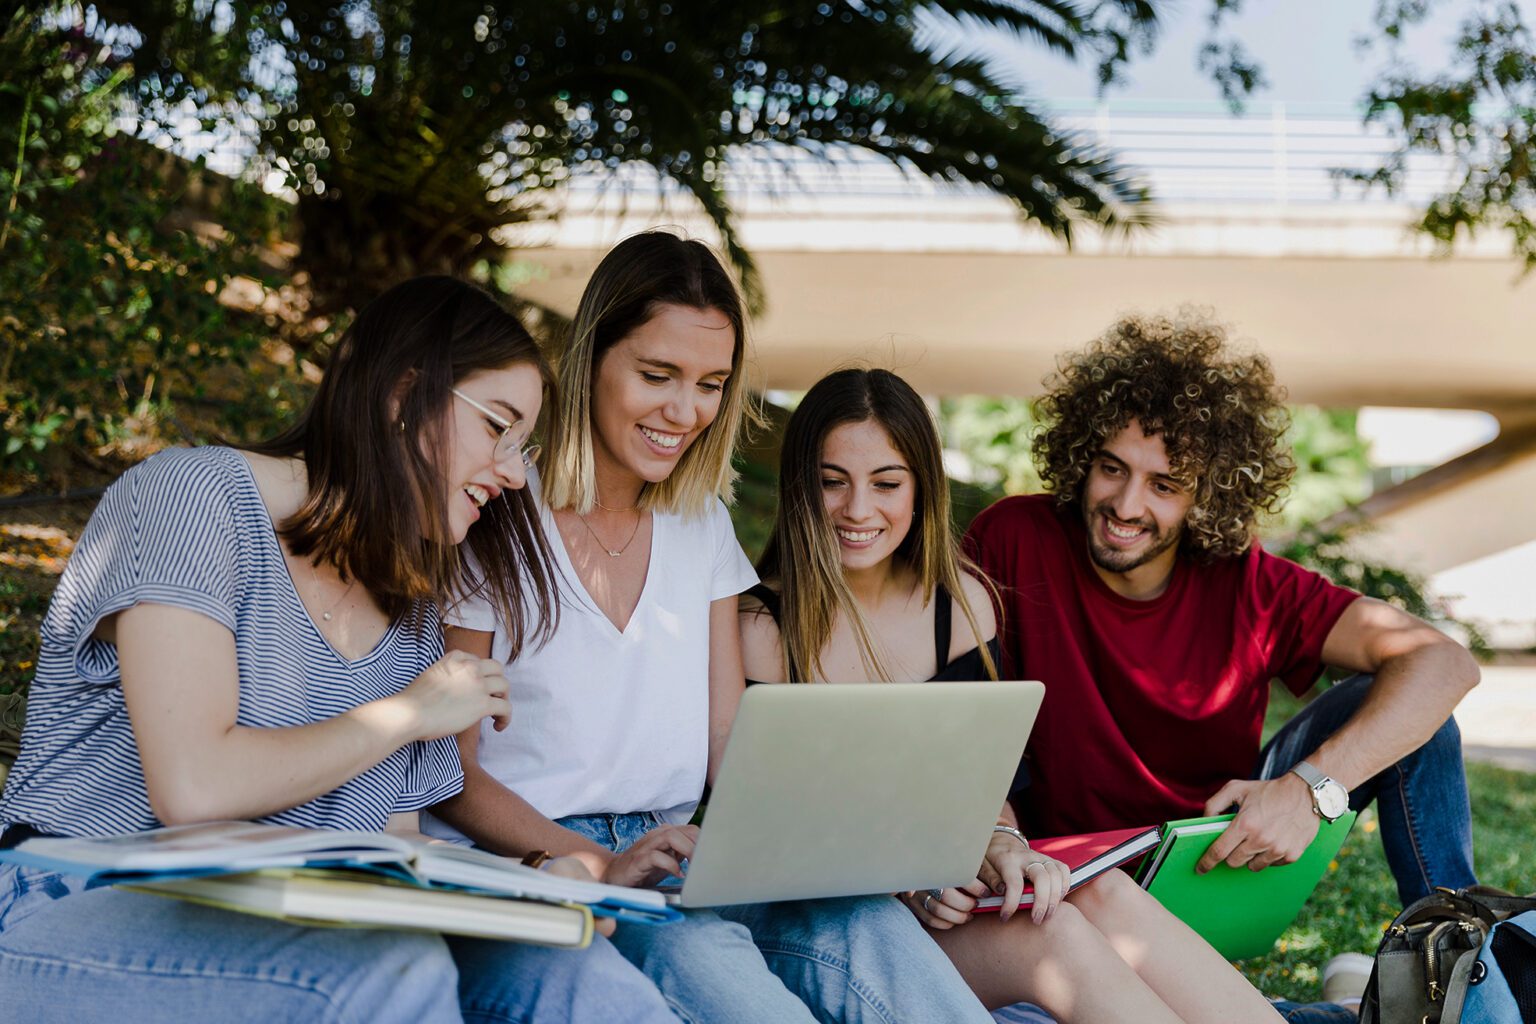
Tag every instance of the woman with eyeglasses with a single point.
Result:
(863, 579)
(255, 634)
(624, 712)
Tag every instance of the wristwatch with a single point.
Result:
(1329, 797)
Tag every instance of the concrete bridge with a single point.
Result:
(944, 284)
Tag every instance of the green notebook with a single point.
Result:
(1238, 911)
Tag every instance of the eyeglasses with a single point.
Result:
(506, 446)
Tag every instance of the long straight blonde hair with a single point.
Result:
(802, 560)
(639, 274)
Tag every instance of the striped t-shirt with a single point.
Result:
(188, 528)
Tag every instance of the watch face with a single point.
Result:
(1332, 799)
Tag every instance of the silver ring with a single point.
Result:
(937, 894)
(927, 900)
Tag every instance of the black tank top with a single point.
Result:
(967, 666)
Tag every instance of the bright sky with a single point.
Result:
(1306, 47)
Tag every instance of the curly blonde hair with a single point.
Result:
(1219, 412)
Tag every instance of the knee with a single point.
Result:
(1448, 736)
(1444, 747)
(1067, 930)
(699, 948)
(843, 921)
(874, 914)
(1114, 892)
(860, 923)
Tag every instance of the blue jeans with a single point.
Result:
(1426, 816)
(861, 959)
(70, 954)
(1316, 1013)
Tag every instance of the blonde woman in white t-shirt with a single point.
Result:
(622, 716)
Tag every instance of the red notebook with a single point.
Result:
(1088, 855)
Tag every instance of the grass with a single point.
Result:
(1357, 898)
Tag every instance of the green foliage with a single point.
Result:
(1333, 469)
(1330, 552)
(110, 278)
(410, 132)
(994, 435)
(1479, 117)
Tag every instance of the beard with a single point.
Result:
(1114, 560)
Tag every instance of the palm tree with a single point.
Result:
(411, 131)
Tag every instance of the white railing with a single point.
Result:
(1191, 154)
(1188, 153)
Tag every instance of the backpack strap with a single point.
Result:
(1456, 988)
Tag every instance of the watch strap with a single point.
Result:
(1320, 783)
(1309, 774)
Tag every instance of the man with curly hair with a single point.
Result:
(1136, 591)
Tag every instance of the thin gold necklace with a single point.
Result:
(605, 508)
(611, 553)
(326, 615)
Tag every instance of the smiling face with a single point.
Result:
(513, 394)
(869, 492)
(654, 393)
(1134, 509)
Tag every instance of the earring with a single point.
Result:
(401, 425)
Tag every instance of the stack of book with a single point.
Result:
(1239, 912)
(347, 879)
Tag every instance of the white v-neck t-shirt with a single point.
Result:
(605, 721)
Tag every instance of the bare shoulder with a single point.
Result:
(979, 597)
(761, 655)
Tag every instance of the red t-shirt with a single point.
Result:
(1150, 706)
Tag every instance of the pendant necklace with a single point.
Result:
(326, 615)
(611, 553)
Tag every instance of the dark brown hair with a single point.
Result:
(1219, 413)
(375, 434)
(639, 274)
(801, 558)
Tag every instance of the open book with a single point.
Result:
(1240, 912)
(1088, 855)
(240, 847)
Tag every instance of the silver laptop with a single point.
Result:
(843, 789)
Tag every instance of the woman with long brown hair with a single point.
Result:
(255, 634)
(863, 580)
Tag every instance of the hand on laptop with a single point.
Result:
(1009, 866)
(1274, 825)
(655, 856)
